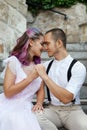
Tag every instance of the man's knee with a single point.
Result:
(83, 125)
(45, 124)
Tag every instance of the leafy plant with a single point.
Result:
(34, 6)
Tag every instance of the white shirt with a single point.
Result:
(58, 73)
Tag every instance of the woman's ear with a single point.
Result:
(30, 42)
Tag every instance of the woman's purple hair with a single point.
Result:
(21, 48)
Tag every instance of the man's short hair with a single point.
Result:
(58, 33)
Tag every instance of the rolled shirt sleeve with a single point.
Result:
(77, 79)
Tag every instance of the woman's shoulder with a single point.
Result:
(12, 60)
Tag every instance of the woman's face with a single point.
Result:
(36, 46)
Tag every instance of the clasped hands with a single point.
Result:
(38, 70)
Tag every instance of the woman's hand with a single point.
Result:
(37, 107)
(33, 73)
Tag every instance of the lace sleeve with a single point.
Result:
(12, 66)
(15, 66)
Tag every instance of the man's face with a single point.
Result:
(49, 44)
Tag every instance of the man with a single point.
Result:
(64, 109)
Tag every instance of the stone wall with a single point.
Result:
(75, 26)
(12, 24)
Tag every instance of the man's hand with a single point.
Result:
(41, 70)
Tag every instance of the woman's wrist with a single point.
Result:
(39, 103)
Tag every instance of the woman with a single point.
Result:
(21, 82)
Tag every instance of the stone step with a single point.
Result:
(78, 55)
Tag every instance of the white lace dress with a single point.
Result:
(16, 112)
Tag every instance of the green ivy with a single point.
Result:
(34, 6)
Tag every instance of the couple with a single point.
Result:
(24, 77)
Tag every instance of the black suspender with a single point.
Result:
(69, 70)
(68, 75)
(48, 68)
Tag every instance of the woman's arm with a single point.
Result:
(10, 88)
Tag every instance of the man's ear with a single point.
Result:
(59, 43)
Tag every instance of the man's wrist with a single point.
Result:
(45, 78)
